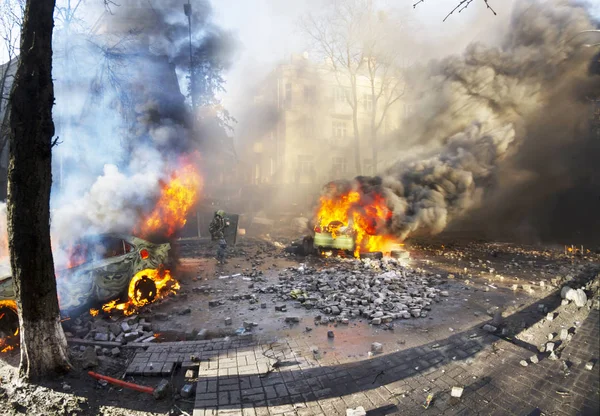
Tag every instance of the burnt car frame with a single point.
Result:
(106, 265)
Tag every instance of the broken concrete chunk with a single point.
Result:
(578, 296)
(550, 316)
(89, 358)
(115, 352)
(187, 390)
(228, 321)
(280, 308)
(534, 359)
(550, 346)
(564, 334)
(589, 365)
(376, 347)
(359, 411)
(131, 336)
(376, 321)
(456, 391)
(160, 392)
(489, 328)
(292, 319)
(523, 363)
(125, 327)
(101, 336)
(202, 334)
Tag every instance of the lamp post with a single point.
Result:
(187, 9)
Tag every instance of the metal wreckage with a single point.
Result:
(119, 272)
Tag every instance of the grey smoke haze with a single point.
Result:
(120, 117)
(502, 134)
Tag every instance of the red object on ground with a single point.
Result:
(133, 386)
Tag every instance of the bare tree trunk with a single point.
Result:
(356, 141)
(375, 149)
(354, 105)
(43, 343)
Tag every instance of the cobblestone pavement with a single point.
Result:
(251, 377)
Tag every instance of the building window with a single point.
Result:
(305, 164)
(309, 94)
(340, 94)
(368, 167)
(339, 129)
(338, 165)
(368, 102)
(288, 95)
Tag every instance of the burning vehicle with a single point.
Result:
(335, 236)
(100, 270)
(348, 219)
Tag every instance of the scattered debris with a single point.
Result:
(489, 328)
(428, 401)
(457, 391)
(376, 347)
(359, 411)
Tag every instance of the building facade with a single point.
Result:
(310, 140)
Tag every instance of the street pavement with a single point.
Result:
(252, 376)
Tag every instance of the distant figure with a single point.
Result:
(217, 233)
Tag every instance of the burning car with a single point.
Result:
(334, 236)
(100, 269)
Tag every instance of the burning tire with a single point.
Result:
(9, 325)
(373, 255)
(144, 291)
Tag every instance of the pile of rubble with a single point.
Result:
(114, 330)
(380, 290)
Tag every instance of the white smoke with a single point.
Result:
(121, 120)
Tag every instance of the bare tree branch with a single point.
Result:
(108, 4)
(462, 5)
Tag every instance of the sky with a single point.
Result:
(267, 31)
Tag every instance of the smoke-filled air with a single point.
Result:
(123, 121)
(493, 140)
(498, 141)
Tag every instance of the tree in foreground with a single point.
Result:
(43, 343)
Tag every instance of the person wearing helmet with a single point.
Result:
(217, 233)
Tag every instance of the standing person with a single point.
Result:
(217, 232)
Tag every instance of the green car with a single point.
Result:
(98, 270)
(334, 236)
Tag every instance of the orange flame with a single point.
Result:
(77, 255)
(145, 287)
(94, 312)
(177, 197)
(366, 214)
(10, 342)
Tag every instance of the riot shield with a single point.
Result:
(231, 231)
